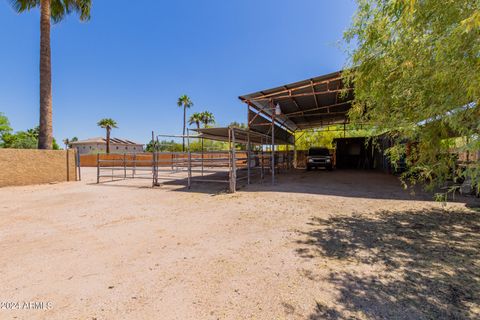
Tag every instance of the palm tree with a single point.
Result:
(55, 11)
(185, 102)
(207, 118)
(107, 124)
(195, 118)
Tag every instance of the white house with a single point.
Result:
(99, 145)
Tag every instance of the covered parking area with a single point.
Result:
(308, 104)
(313, 103)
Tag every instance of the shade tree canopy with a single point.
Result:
(415, 67)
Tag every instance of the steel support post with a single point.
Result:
(202, 157)
(134, 164)
(262, 173)
(294, 151)
(248, 156)
(288, 158)
(189, 180)
(98, 167)
(233, 179)
(273, 145)
(79, 165)
(124, 166)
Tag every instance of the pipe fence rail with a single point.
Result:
(231, 167)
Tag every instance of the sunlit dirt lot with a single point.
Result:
(318, 245)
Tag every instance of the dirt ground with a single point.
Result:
(318, 245)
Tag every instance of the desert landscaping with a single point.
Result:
(313, 246)
(231, 160)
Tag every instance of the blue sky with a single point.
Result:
(132, 62)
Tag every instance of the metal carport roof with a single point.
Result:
(241, 136)
(311, 103)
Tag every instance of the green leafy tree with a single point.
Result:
(324, 137)
(108, 124)
(25, 140)
(5, 128)
(415, 68)
(196, 119)
(185, 102)
(50, 10)
(207, 118)
(21, 140)
(163, 146)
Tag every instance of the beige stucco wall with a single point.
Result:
(24, 167)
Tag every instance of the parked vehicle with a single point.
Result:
(319, 158)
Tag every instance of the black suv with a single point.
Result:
(319, 158)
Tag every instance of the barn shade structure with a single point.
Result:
(307, 104)
(311, 103)
(243, 136)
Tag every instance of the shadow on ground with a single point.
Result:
(428, 262)
(367, 184)
(346, 183)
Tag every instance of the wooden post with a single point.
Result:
(68, 166)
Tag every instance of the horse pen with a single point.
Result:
(245, 161)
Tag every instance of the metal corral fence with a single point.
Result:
(229, 167)
(247, 156)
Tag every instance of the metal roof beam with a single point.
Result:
(271, 95)
(307, 94)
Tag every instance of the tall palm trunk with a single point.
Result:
(184, 125)
(108, 140)
(45, 134)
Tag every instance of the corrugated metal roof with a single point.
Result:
(311, 103)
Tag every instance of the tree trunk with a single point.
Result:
(184, 124)
(45, 134)
(108, 140)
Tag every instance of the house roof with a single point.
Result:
(311, 103)
(101, 140)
